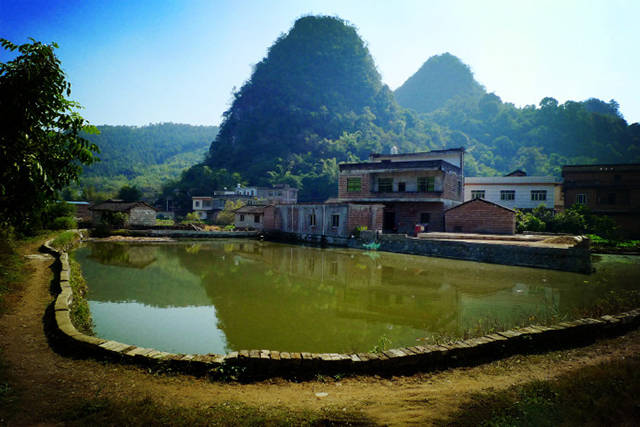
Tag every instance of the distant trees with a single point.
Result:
(130, 193)
(41, 147)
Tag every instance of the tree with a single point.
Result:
(129, 193)
(41, 151)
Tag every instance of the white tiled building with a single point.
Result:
(516, 190)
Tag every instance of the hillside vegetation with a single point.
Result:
(317, 99)
(147, 156)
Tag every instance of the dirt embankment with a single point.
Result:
(46, 383)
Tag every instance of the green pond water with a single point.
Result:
(225, 295)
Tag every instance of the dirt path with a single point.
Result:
(47, 382)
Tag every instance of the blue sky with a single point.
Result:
(140, 62)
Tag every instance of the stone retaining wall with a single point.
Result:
(266, 363)
(192, 234)
(576, 259)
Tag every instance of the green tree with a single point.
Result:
(41, 150)
(129, 193)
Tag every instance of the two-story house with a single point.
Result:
(611, 189)
(415, 188)
(516, 190)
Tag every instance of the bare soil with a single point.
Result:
(47, 383)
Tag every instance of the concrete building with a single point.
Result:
(516, 190)
(135, 213)
(607, 189)
(480, 216)
(316, 220)
(415, 188)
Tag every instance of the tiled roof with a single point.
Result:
(119, 206)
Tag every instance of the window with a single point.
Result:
(335, 220)
(385, 185)
(426, 184)
(507, 194)
(581, 198)
(312, 219)
(354, 185)
(477, 194)
(207, 204)
(279, 193)
(611, 198)
(539, 195)
(241, 218)
(402, 187)
(425, 217)
(256, 218)
(459, 188)
(197, 203)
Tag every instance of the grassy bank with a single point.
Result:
(80, 313)
(603, 394)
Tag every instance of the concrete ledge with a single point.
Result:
(420, 358)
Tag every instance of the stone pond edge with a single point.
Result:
(266, 363)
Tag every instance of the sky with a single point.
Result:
(141, 62)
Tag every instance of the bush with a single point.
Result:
(63, 223)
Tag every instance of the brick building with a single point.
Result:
(480, 216)
(415, 188)
(611, 189)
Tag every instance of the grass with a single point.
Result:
(603, 394)
(107, 412)
(598, 242)
(65, 240)
(12, 271)
(80, 313)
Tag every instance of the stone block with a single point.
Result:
(64, 323)
(64, 275)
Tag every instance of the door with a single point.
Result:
(389, 221)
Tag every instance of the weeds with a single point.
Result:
(80, 313)
(65, 240)
(603, 394)
(383, 343)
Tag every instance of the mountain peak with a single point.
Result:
(439, 79)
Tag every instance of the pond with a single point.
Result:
(225, 295)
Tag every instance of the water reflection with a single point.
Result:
(276, 296)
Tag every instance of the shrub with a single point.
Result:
(63, 223)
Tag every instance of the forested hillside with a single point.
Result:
(317, 99)
(146, 156)
(500, 137)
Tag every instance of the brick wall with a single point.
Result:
(369, 216)
(479, 216)
(452, 187)
(365, 190)
(407, 215)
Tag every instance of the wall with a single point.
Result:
(142, 216)
(407, 215)
(479, 217)
(576, 259)
(249, 221)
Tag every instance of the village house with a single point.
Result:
(516, 190)
(606, 189)
(415, 188)
(134, 213)
(250, 217)
(208, 207)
